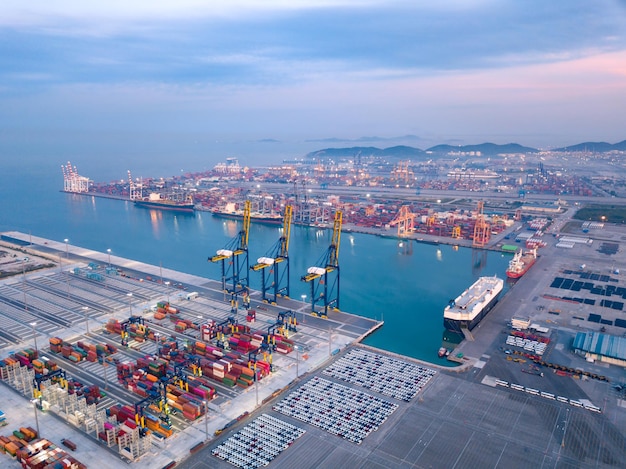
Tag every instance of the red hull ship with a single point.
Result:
(520, 263)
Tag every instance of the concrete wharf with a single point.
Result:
(462, 417)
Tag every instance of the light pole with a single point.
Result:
(86, 308)
(256, 385)
(34, 401)
(130, 297)
(103, 359)
(67, 250)
(304, 301)
(297, 360)
(330, 341)
(32, 325)
(167, 290)
(206, 420)
(69, 272)
(24, 261)
(109, 252)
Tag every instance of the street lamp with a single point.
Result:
(304, 301)
(206, 420)
(32, 325)
(297, 360)
(330, 341)
(130, 297)
(86, 308)
(69, 272)
(167, 290)
(256, 385)
(34, 402)
(24, 261)
(105, 366)
(67, 251)
(109, 252)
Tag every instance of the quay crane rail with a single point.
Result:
(234, 259)
(321, 274)
(271, 264)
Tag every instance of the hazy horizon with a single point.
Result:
(198, 81)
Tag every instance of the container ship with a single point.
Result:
(471, 306)
(156, 201)
(233, 214)
(520, 263)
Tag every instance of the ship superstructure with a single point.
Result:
(520, 263)
(471, 306)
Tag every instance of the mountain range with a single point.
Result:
(485, 149)
(597, 147)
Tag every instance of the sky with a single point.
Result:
(540, 73)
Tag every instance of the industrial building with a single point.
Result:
(601, 347)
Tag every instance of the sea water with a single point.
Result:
(405, 283)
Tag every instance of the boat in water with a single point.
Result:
(254, 217)
(156, 201)
(471, 306)
(520, 263)
(443, 352)
(232, 213)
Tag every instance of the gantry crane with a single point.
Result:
(320, 275)
(405, 220)
(277, 257)
(482, 229)
(134, 191)
(234, 259)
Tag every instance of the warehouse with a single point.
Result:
(602, 347)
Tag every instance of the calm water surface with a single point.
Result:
(380, 277)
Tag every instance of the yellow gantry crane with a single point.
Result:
(276, 264)
(405, 220)
(320, 275)
(482, 229)
(234, 259)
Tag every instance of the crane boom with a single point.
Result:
(284, 239)
(334, 254)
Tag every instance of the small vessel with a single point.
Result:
(471, 306)
(155, 200)
(443, 352)
(520, 263)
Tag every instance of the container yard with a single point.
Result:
(132, 363)
(159, 354)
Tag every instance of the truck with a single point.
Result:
(69, 444)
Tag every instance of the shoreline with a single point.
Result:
(382, 232)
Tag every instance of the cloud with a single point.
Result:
(363, 67)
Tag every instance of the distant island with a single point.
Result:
(483, 149)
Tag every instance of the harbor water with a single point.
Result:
(406, 283)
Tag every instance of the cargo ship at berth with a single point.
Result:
(233, 214)
(471, 306)
(520, 263)
(156, 201)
